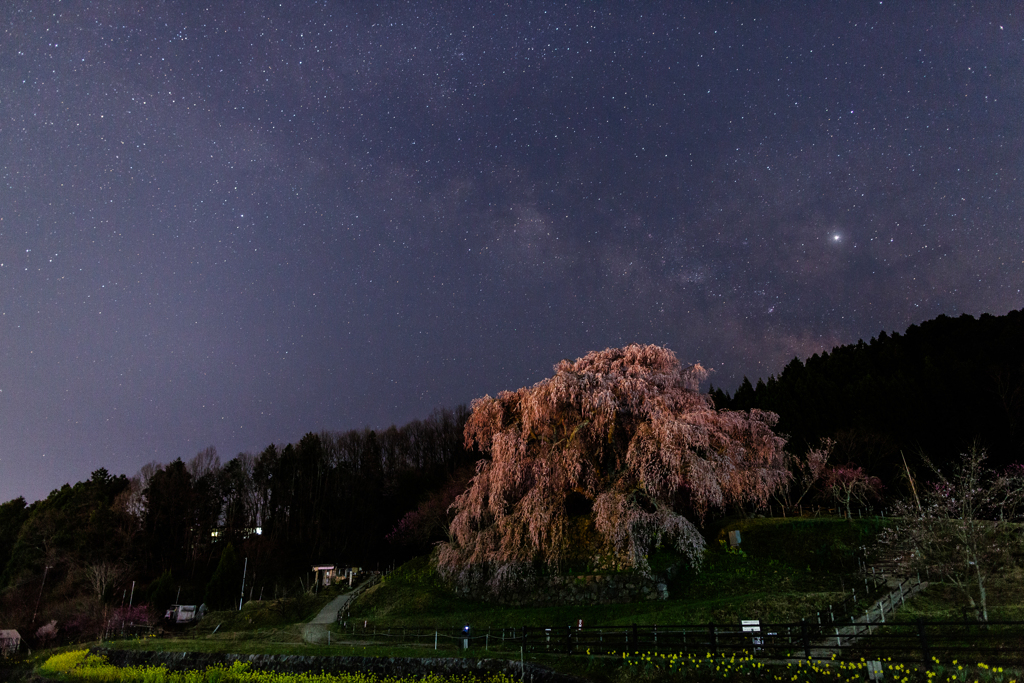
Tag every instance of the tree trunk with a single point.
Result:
(982, 595)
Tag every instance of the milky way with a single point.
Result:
(234, 225)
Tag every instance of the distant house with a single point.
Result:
(10, 641)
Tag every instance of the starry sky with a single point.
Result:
(236, 224)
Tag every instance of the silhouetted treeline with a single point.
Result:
(931, 391)
(332, 498)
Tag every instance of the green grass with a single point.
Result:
(269, 643)
(786, 571)
(825, 544)
(258, 615)
(943, 602)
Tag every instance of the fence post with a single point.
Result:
(806, 637)
(568, 640)
(636, 641)
(712, 639)
(524, 638)
(925, 654)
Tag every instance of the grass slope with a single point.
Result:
(787, 569)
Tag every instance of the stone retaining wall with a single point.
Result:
(591, 589)
(384, 666)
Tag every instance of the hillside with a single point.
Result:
(788, 569)
(933, 391)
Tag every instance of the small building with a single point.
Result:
(182, 614)
(10, 641)
(330, 574)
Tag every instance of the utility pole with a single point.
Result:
(911, 480)
(245, 568)
(36, 610)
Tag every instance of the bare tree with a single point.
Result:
(147, 471)
(103, 575)
(807, 471)
(132, 501)
(963, 530)
(849, 484)
(205, 462)
(623, 435)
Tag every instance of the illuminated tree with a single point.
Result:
(620, 438)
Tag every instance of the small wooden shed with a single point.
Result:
(10, 641)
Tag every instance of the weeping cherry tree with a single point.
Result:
(621, 438)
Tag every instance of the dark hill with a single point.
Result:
(934, 390)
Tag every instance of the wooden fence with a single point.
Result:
(994, 643)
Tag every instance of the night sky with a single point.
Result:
(232, 226)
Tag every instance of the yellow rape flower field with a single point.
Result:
(80, 665)
(744, 667)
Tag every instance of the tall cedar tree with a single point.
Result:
(627, 433)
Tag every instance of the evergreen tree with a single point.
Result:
(225, 585)
(162, 592)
